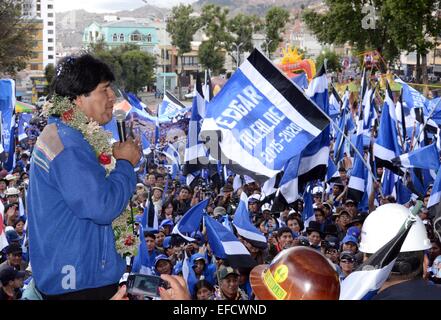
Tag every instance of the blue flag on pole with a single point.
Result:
(191, 220)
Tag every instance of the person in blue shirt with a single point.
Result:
(72, 198)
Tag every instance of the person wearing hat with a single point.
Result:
(228, 288)
(219, 212)
(298, 273)
(163, 265)
(11, 180)
(13, 257)
(11, 282)
(351, 207)
(12, 195)
(3, 186)
(254, 206)
(347, 263)
(200, 269)
(157, 197)
(315, 235)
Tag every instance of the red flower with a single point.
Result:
(104, 159)
(68, 115)
(129, 241)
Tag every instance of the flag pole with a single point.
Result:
(352, 145)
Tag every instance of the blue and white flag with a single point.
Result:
(359, 174)
(364, 283)
(191, 220)
(435, 195)
(170, 106)
(149, 219)
(411, 98)
(226, 246)
(345, 124)
(244, 226)
(23, 122)
(388, 182)
(141, 262)
(308, 210)
(335, 104)
(195, 158)
(386, 147)
(301, 80)
(263, 119)
(7, 105)
(424, 158)
(333, 175)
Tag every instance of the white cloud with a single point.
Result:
(102, 6)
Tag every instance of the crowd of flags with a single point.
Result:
(401, 135)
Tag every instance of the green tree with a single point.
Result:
(241, 28)
(214, 23)
(363, 23)
(132, 67)
(49, 73)
(15, 37)
(332, 63)
(182, 26)
(275, 21)
(414, 26)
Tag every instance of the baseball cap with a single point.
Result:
(161, 257)
(347, 255)
(225, 271)
(12, 236)
(9, 274)
(349, 238)
(167, 242)
(354, 232)
(166, 222)
(219, 211)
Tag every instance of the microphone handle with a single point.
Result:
(121, 130)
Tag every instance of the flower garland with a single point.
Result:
(93, 133)
(126, 243)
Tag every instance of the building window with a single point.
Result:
(50, 6)
(50, 23)
(38, 7)
(34, 66)
(50, 56)
(50, 40)
(135, 36)
(50, 31)
(115, 37)
(50, 15)
(149, 38)
(50, 48)
(121, 37)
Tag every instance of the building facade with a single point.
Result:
(44, 10)
(118, 33)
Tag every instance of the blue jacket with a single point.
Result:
(71, 208)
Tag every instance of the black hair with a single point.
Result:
(409, 265)
(75, 76)
(297, 218)
(202, 284)
(148, 234)
(283, 230)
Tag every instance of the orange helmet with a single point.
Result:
(298, 273)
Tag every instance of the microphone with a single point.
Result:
(120, 117)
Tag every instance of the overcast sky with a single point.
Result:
(101, 6)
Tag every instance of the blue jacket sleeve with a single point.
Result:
(87, 191)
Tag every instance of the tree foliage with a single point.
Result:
(49, 73)
(15, 37)
(133, 68)
(275, 21)
(182, 26)
(332, 60)
(241, 29)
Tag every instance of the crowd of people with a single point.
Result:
(335, 229)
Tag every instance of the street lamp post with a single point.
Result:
(237, 53)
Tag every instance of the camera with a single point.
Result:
(145, 285)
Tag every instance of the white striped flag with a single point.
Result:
(364, 283)
(244, 227)
(386, 147)
(3, 239)
(191, 220)
(170, 106)
(263, 119)
(423, 158)
(226, 246)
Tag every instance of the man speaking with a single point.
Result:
(76, 189)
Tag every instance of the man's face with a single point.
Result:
(98, 104)
(12, 199)
(14, 259)
(349, 246)
(253, 207)
(314, 238)
(151, 180)
(159, 238)
(332, 254)
(343, 220)
(2, 185)
(157, 193)
(203, 293)
(336, 190)
(347, 265)
(163, 267)
(150, 243)
(230, 285)
(285, 240)
(319, 216)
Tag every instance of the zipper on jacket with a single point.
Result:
(103, 259)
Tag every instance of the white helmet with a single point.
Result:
(266, 206)
(384, 223)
